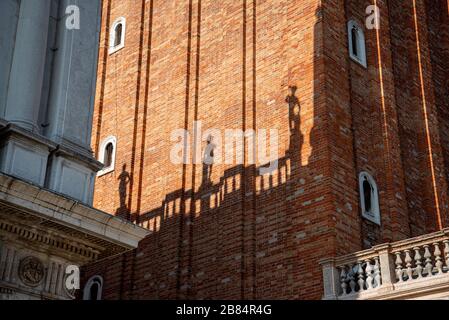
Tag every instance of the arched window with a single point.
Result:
(108, 154)
(93, 289)
(354, 35)
(108, 150)
(117, 36)
(369, 198)
(357, 48)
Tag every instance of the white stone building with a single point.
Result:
(48, 60)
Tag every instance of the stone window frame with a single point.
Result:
(102, 154)
(112, 36)
(374, 214)
(360, 58)
(87, 288)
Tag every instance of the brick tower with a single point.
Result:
(362, 122)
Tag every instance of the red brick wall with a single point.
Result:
(438, 38)
(230, 64)
(421, 128)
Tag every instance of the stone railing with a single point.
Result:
(412, 268)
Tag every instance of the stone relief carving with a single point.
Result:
(31, 271)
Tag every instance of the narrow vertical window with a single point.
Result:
(354, 35)
(107, 153)
(367, 193)
(357, 46)
(369, 198)
(93, 290)
(117, 35)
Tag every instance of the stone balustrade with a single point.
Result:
(409, 269)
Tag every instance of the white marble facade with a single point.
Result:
(43, 233)
(47, 87)
(47, 169)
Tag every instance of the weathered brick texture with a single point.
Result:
(230, 64)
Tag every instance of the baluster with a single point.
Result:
(446, 252)
(408, 264)
(399, 271)
(418, 262)
(352, 283)
(428, 257)
(369, 275)
(343, 276)
(438, 258)
(361, 275)
(377, 273)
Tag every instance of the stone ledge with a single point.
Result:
(67, 148)
(70, 213)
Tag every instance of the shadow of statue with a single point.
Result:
(231, 217)
(124, 180)
(206, 180)
(208, 161)
(294, 107)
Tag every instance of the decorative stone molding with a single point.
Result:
(39, 237)
(32, 157)
(69, 213)
(31, 271)
(43, 233)
(28, 274)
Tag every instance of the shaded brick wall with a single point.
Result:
(230, 64)
(420, 122)
(438, 37)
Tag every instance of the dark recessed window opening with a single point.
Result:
(369, 198)
(367, 193)
(118, 35)
(355, 41)
(94, 289)
(108, 154)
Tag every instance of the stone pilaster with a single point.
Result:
(28, 64)
(70, 106)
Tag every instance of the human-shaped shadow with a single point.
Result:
(206, 180)
(208, 160)
(294, 107)
(124, 180)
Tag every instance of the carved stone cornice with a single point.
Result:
(67, 216)
(47, 239)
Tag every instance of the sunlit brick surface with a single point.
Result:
(229, 64)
